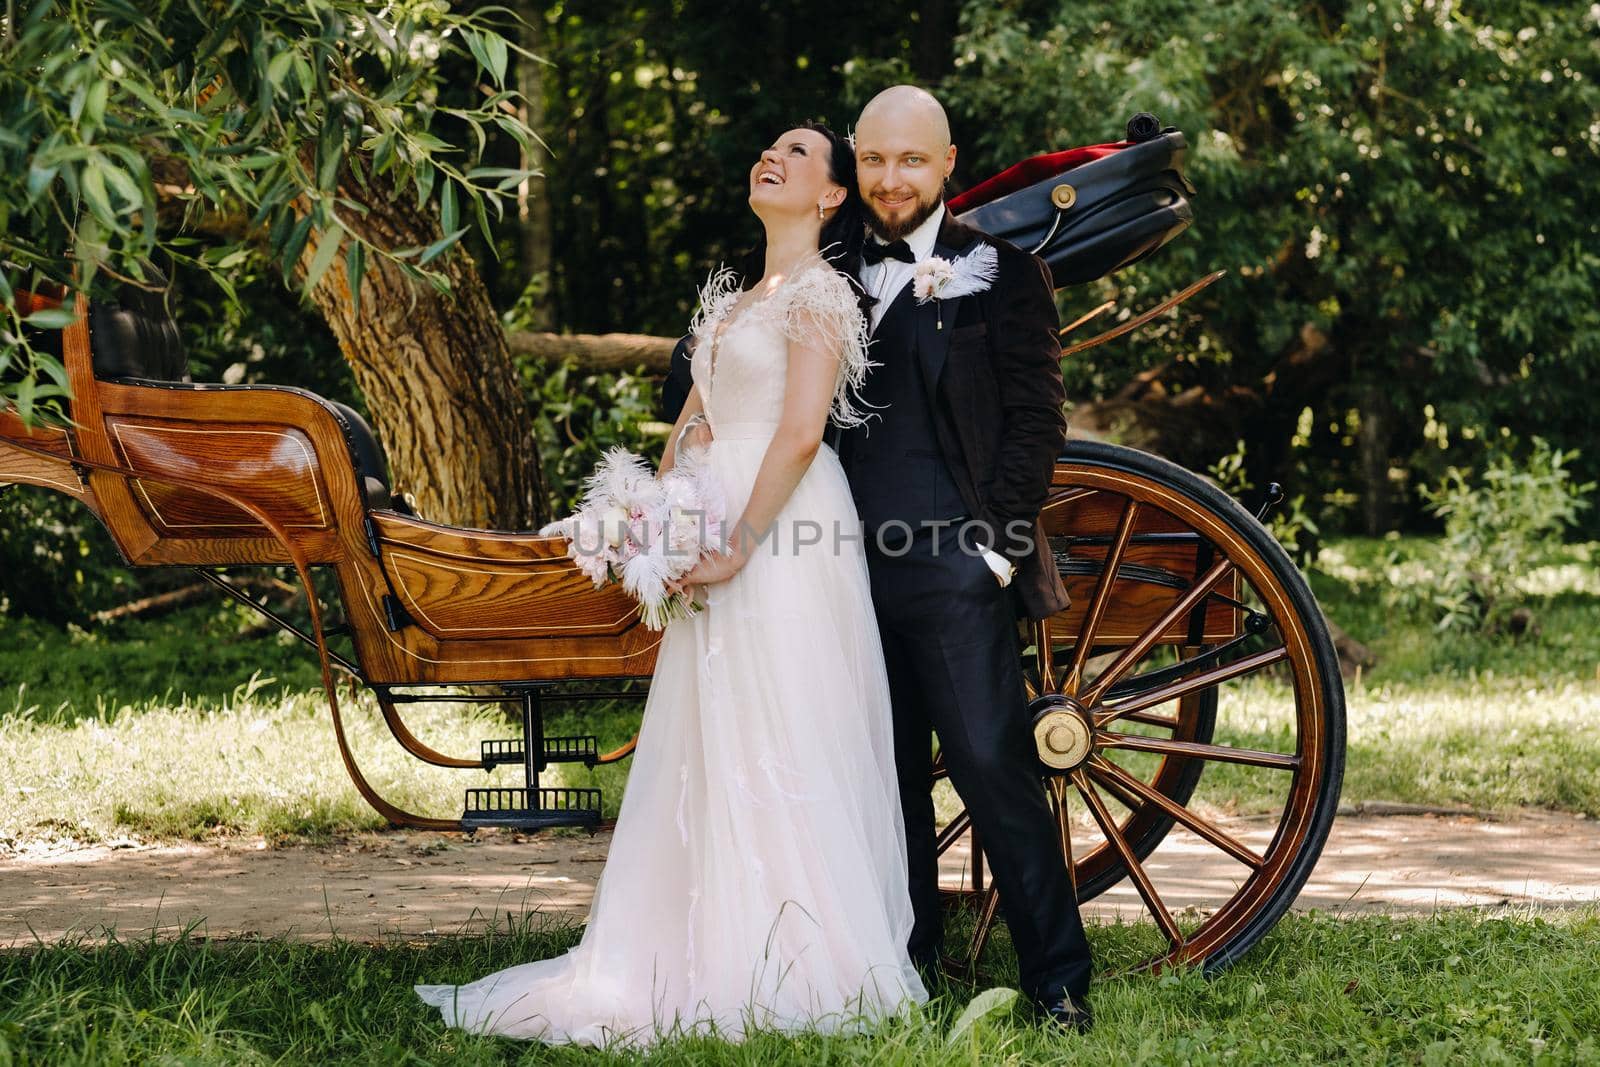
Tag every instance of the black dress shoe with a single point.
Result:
(1070, 1013)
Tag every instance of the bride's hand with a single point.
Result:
(713, 567)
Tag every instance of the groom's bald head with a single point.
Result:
(903, 156)
(909, 109)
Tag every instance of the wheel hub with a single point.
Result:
(1062, 735)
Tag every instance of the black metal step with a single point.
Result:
(584, 749)
(511, 807)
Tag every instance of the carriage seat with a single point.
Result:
(134, 340)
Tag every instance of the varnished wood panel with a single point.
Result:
(278, 448)
(274, 466)
(1134, 604)
(26, 468)
(459, 584)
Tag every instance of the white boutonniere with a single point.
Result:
(937, 278)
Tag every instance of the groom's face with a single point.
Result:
(900, 168)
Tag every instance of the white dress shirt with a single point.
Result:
(884, 280)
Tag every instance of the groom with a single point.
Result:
(958, 461)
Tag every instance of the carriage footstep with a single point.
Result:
(583, 748)
(535, 809)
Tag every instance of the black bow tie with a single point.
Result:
(873, 252)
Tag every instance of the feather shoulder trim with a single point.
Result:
(820, 306)
(718, 295)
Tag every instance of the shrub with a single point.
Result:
(1496, 527)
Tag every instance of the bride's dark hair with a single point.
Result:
(842, 235)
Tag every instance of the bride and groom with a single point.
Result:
(774, 865)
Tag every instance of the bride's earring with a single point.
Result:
(819, 212)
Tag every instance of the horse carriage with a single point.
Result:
(1192, 652)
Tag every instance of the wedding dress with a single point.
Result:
(757, 874)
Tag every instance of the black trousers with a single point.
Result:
(950, 644)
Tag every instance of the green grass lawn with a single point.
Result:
(87, 753)
(1457, 988)
(1444, 719)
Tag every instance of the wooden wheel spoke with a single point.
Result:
(1222, 753)
(1141, 879)
(1045, 657)
(1125, 796)
(1166, 722)
(1058, 497)
(1195, 683)
(1101, 598)
(948, 835)
(1105, 772)
(1136, 651)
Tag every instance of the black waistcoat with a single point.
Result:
(895, 468)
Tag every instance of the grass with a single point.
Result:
(86, 754)
(1456, 988)
(194, 657)
(1444, 719)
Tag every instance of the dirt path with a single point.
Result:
(379, 886)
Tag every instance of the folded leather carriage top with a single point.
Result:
(1089, 211)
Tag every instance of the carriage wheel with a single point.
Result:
(1193, 675)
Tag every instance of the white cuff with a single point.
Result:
(1003, 568)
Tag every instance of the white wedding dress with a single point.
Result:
(757, 875)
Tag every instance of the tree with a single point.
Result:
(311, 131)
(1402, 192)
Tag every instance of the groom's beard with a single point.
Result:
(888, 232)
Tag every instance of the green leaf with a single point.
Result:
(295, 244)
(475, 43)
(355, 266)
(328, 169)
(496, 172)
(433, 250)
(324, 257)
(278, 69)
(986, 1003)
(51, 318)
(483, 226)
(495, 46)
(25, 390)
(94, 191)
(125, 186)
(39, 179)
(447, 207)
(94, 108)
(423, 177)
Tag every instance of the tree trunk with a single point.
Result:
(437, 373)
(1374, 445)
(598, 351)
(533, 201)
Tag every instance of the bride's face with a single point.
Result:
(791, 177)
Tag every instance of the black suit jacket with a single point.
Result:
(993, 374)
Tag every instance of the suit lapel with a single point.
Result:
(933, 343)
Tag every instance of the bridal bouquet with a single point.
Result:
(643, 531)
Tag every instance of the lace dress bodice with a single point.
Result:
(741, 358)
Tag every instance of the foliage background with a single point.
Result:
(1399, 191)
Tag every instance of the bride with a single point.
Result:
(757, 876)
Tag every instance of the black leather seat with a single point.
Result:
(133, 339)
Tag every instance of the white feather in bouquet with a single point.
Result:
(643, 531)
